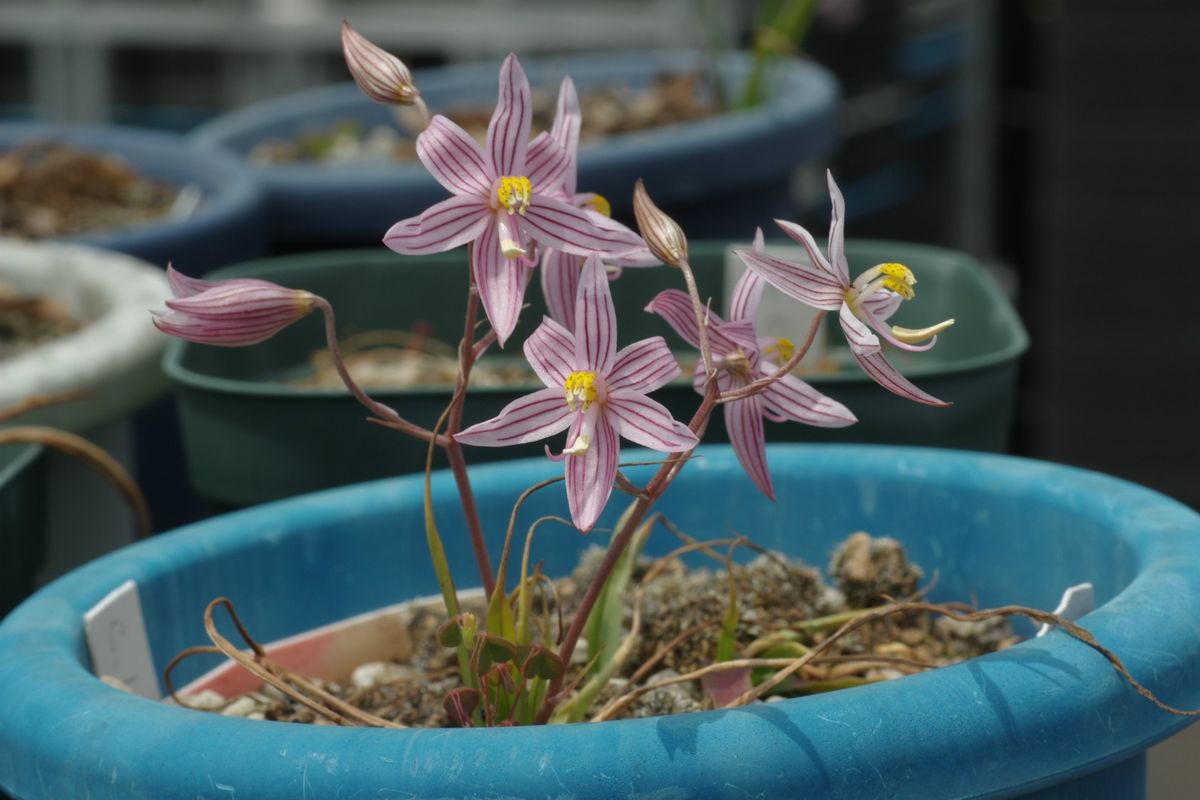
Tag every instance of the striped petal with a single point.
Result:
(837, 231)
(790, 398)
(454, 158)
(882, 304)
(643, 366)
(647, 422)
(546, 163)
(675, 307)
(887, 376)
(884, 330)
(862, 341)
(743, 305)
(556, 224)
(550, 351)
(185, 285)
(501, 282)
(560, 280)
(526, 419)
(590, 476)
(744, 422)
(595, 320)
(565, 131)
(441, 227)
(508, 132)
(806, 240)
(814, 287)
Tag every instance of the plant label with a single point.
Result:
(1076, 601)
(116, 638)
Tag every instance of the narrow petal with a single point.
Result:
(861, 340)
(184, 285)
(805, 239)
(550, 351)
(790, 398)
(565, 131)
(560, 280)
(884, 330)
(454, 158)
(837, 231)
(882, 304)
(508, 132)
(746, 296)
(441, 227)
(727, 337)
(556, 224)
(526, 419)
(590, 476)
(643, 366)
(501, 283)
(648, 423)
(595, 320)
(546, 163)
(743, 421)
(887, 376)
(813, 287)
(640, 256)
(675, 307)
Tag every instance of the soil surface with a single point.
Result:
(778, 600)
(26, 322)
(49, 190)
(670, 99)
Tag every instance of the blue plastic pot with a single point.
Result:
(719, 177)
(1047, 718)
(226, 227)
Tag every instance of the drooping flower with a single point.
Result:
(232, 313)
(502, 201)
(560, 270)
(594, 392)
(741, 357)
(863, 305)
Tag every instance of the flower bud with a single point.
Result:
(232, 313)
(663, 235)
(381, 76)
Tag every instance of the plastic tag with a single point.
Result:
(779, 316)
(116, 638)
(1076, 601)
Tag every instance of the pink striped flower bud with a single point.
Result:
(663, 235)
(231, 313)
(381, 76)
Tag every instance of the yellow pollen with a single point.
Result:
(898, 271)
(580, 390)
(784, 348)
(899, 287)
(599, 203)
(514, 193)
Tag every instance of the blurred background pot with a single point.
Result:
(1048, 718)
(218, 220)
(717, 176)
(251, 434)
(113, 359)
(22, 521)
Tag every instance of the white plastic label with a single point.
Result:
(1076, 601)
(779, 316)
(116, 637)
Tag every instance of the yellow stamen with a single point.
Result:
(599, 203)
(899, 287)
(784, 348)
(918, 335)
(515, 190)
(898, 271)
(581, 391)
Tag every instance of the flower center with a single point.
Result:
(514, 193)
(783, 348)
(581, 390)
(892, 276)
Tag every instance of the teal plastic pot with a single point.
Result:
(250, 436)
(1048, 718)
(22, 521)
(721, 175)
(225, 227)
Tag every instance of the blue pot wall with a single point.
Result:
(228, 225)
(1047, 718)
(719, 177)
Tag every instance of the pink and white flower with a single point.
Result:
(560, 270)
(742, 357)
(503, 201)
(594, 392)
(863, 305)
(231, 313)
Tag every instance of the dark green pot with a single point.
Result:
(251, 437)
(22, 521)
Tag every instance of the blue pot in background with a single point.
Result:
(1047, 718)
(226, 226)
(719, 177)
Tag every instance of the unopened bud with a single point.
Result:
(232, 313)
(663, 235)
(381, 76)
